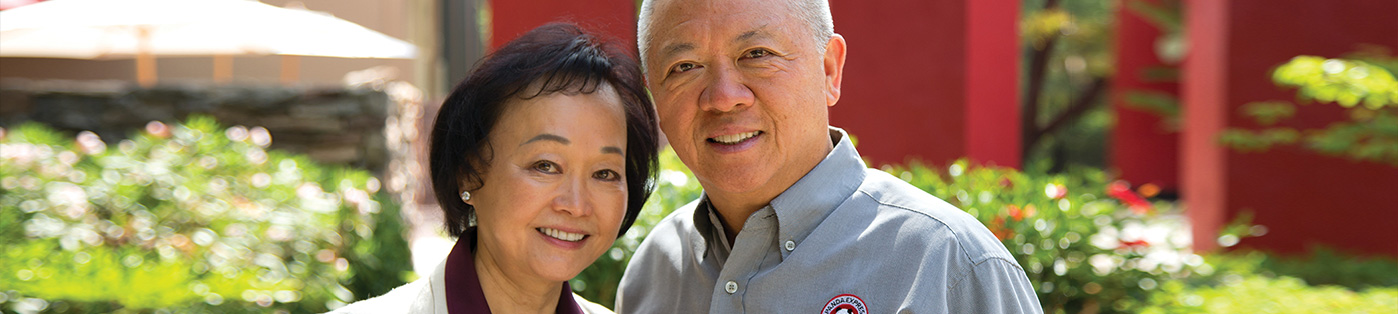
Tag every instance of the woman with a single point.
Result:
(540, 159)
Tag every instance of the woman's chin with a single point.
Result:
(562, 267)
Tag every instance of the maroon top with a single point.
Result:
(463, 287)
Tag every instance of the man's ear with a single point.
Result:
(834, 68)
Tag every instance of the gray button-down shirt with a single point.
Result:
(843, 237)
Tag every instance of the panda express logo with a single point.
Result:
(845, 304)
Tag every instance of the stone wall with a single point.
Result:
(332, 125)
(371, 123)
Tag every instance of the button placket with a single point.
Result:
(790, 245)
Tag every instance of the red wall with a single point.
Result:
(1143, 149)
(1302, 197)
(511, 18)
(930, 80)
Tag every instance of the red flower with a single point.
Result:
(1019, 214)
(1122, 191)
(1134, 244)
(998, 227)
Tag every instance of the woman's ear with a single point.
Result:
(466, 198)
(466, 186)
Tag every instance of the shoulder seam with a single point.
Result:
(964, 274)
(944, 224)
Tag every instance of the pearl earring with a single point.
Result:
(465, 196)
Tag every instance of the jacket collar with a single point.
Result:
(463, 287)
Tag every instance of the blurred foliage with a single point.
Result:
(1067, 59)
(1162, 104)
(1254, 282)
(1252, 293)
(187, 218)
(1347, 82)
(1363, 83)
(1321, 266)
(1167, 16)
(1086, 242)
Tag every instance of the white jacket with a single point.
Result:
(427, 295)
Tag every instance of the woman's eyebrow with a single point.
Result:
(547, 137)
(565, 141)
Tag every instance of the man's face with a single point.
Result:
(742, 92)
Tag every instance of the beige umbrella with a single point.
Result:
(143, 29)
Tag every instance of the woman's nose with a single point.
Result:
(572, 198)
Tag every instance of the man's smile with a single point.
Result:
(732, 139)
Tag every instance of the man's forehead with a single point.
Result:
(676, 28)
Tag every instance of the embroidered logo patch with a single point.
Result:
(845, 304)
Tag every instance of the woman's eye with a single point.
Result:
(757, 53)
(545, 166)
(682, 67)
(606, 175)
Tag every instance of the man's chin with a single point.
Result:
(735, 181)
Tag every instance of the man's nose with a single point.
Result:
(572, 197)
(726, 91)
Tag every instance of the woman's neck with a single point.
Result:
(517, 293)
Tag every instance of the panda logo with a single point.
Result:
(845, 304)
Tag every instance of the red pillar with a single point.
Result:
(1304, 198)
(931, 80)
(511, 18)
(1143, 148)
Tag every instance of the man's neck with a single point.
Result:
(734, 208)
(733, 213)
(510, 294)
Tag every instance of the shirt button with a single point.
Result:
(731, 287)
(790, 245)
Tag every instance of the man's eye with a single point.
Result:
(757, 53)
(683, 67)
(606, 175)
(545, 166)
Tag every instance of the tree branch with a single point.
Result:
(1085, 101)
(1029, 113)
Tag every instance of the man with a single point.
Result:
(791, 219)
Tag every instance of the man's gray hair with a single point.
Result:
(815, 13)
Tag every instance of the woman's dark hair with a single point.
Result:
(554, 58)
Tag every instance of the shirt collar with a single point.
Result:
(463, 286)
(806, 203)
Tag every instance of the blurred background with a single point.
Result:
(1137, 156)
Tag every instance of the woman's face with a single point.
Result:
(555, 192)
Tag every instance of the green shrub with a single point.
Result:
(187, 218)
(1322, 266)
(1246, 283)
(1362, 82)
(1088, 244)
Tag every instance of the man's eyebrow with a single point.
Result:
(547, 137)
(613, 150)
(673, 49)
(759, 32)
